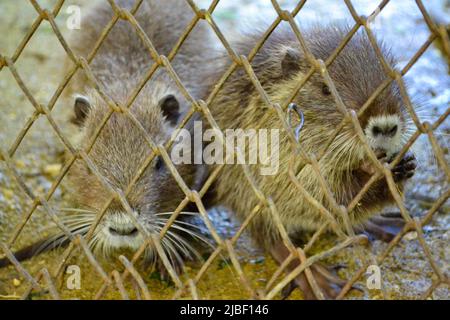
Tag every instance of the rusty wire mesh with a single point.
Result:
(115, 280)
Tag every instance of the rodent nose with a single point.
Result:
(123, 231)
(389, 131)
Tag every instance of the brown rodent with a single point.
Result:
(279, 65)
(121, 147)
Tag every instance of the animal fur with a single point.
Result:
(279, 66)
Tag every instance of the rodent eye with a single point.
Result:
(325, 90)
(159, 163)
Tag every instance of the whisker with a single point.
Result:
(194, 235)
(172, 238)
(164, 221)
(181, 213)
(168, 247)
(77, 210)
(185, 244)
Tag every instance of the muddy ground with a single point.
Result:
(406, 273)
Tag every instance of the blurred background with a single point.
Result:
(39, 156)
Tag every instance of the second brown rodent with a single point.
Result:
(356, 73)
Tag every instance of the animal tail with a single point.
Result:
(35, 249)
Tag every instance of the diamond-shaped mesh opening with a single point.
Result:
(249, 272)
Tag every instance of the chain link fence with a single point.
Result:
(126, 279)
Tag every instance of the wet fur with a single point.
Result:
(356, 73)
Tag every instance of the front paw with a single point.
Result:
(405, 168)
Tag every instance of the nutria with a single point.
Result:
(279, 65)
(121, 147)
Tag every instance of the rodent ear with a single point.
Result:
(81, 109)
(170, 108)
(290, 62)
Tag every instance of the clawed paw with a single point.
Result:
(383, 227)
(326, 279)
(404, 169)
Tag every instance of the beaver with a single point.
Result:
(279, 66)
(121, 147)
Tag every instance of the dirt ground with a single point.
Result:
(406, 273)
